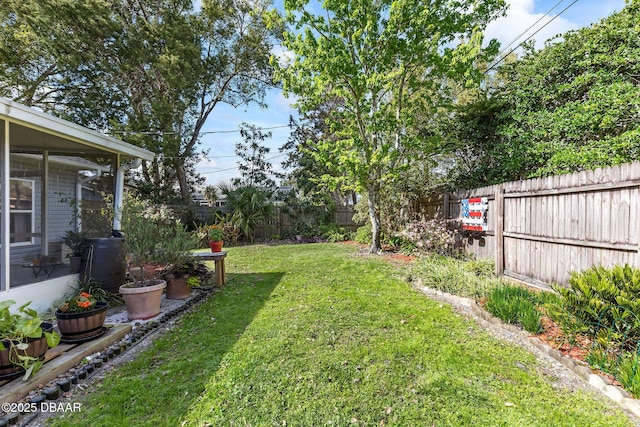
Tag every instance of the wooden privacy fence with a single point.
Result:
(539, 230)
(282, 225)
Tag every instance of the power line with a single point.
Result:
(125, 132)
(530, 27)
(210, 157)
(528, 38)
(236, 167)
(238, 130)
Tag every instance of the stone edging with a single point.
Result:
(580, 369)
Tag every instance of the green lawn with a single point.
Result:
(316, 335)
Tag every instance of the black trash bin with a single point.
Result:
(103, 260)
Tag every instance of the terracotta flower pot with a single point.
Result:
(177, 288)
(143, 302)
(78, 326)
(216, 245)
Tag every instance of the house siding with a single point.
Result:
(62, 188)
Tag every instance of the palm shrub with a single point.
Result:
(248, 205)
(605, 300)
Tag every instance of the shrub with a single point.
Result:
(628, 373)
(517, 305)
(605, 298)
(482, 267)
(623, 366)
(453, 276)
(559, 313)
(400, 244)
(363, 235)
(334, 233)
(230, 232)
(433, 236)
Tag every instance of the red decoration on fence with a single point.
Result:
(473, 213)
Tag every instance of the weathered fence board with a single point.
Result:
(282, 225)
(542, 229)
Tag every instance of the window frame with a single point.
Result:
(31, 240)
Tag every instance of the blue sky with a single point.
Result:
(221, 131)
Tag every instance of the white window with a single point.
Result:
(21, 211)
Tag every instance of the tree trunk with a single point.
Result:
(375, 220)
(182, 181)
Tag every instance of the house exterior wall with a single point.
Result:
(62, 188)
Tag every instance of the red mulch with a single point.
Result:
(553, 336)
(401, 257)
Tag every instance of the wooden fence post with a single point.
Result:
(445, 207)
(499, 230)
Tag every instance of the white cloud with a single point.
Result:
(520, 17)
(523, 14)
(285, 56)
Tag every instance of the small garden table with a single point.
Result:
(46, 269)
(218, 259)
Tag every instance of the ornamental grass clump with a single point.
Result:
(454, 276)
(516, 305)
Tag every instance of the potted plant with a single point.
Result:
(75, 241)
(153, 238)
(215, 238)
(177, 281)
(24, 339)
(176, 254)
(143, 238)
(81, 316)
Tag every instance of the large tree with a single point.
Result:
(570, 106)
(151, 71)
(386, 61)
(254, 168)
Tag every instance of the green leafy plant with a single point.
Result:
(333, 233)
(454, 276)
(194, 281)
(74, 240)
(90, 286)
(517, 305)
(628, 373)
(215, 233)
(78, 303)
(363, 235)
(154, 236)
(555, 308)
(603, 359)
(17, 329)
(249, 204)
(606, 298)
(481, 267)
